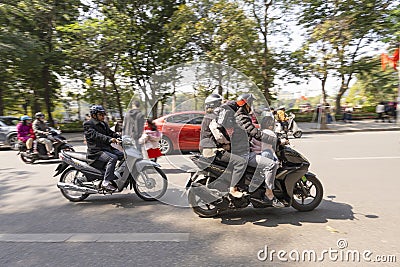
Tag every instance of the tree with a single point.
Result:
(348, 28)
(36, 21)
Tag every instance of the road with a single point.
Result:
(360, 212)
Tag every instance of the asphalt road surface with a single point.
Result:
(356, 223)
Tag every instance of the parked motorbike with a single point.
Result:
(293, 128)
(294, 185)
(79, 179)
(59, 144)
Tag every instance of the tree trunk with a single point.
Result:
(118, 96)
(47, 93)
(1, 101)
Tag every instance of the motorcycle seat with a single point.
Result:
(77, 155)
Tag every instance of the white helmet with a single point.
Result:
(213, 101)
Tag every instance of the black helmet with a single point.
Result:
(213, 101)
(95, 109)
(245, 99)
(39, 115)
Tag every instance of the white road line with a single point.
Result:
(366, 158)
(94, 237)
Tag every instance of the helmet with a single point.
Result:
(39, 115)
(25, 118)
(245, 99)
(213, 101)
(281, 107)
(97, 109)
(267, 122)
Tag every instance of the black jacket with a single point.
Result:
(98, 137)
(244, 121)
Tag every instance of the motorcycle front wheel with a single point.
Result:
(307, 194)
(71, 176)
(151, 183)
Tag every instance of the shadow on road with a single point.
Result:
(271, 217)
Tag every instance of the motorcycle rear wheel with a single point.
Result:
(312, 198)
(70, 176)
(200, 207)
(26, 159)
(151, 183)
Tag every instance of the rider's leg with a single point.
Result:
(109, 175)
(268, 166)
(237, 165)
(29, 144)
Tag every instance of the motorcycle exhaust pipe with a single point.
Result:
(73, 187)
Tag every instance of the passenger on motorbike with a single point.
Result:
(42, 131)
(282, 118)
(217, 146)
(99, 138)
(267, 150)
(251, 132)
(25, 132)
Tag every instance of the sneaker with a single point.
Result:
(235, 193)
(109, 187)
(277, 204)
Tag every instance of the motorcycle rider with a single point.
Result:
(243, 131)
(42, 131)
(211, 145)
(25, 132)
(99, 138)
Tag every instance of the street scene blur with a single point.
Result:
(199, 133)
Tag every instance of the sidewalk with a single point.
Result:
(307, 128)
(354, 126)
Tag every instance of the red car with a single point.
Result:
(181, 131)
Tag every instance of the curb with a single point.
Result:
(349, 130)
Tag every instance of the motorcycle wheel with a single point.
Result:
(69, 176)
(26, 159)
(298, 134)
(151, 183)
(309, 200)
(200, 207)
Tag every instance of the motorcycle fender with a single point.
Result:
(60, 168)
(291, 180)
(140, 164)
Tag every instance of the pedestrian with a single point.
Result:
(380, 109)
(347, 115)
(150, 140)
(134, 124)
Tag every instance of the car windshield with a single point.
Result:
(10, 121)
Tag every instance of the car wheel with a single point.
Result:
(166, 145)
(13, 141)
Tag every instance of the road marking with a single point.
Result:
(94, 237)
(362, 158)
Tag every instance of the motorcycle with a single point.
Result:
(59, 144)
(294, 185)
(293, 128)
(79, 179)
